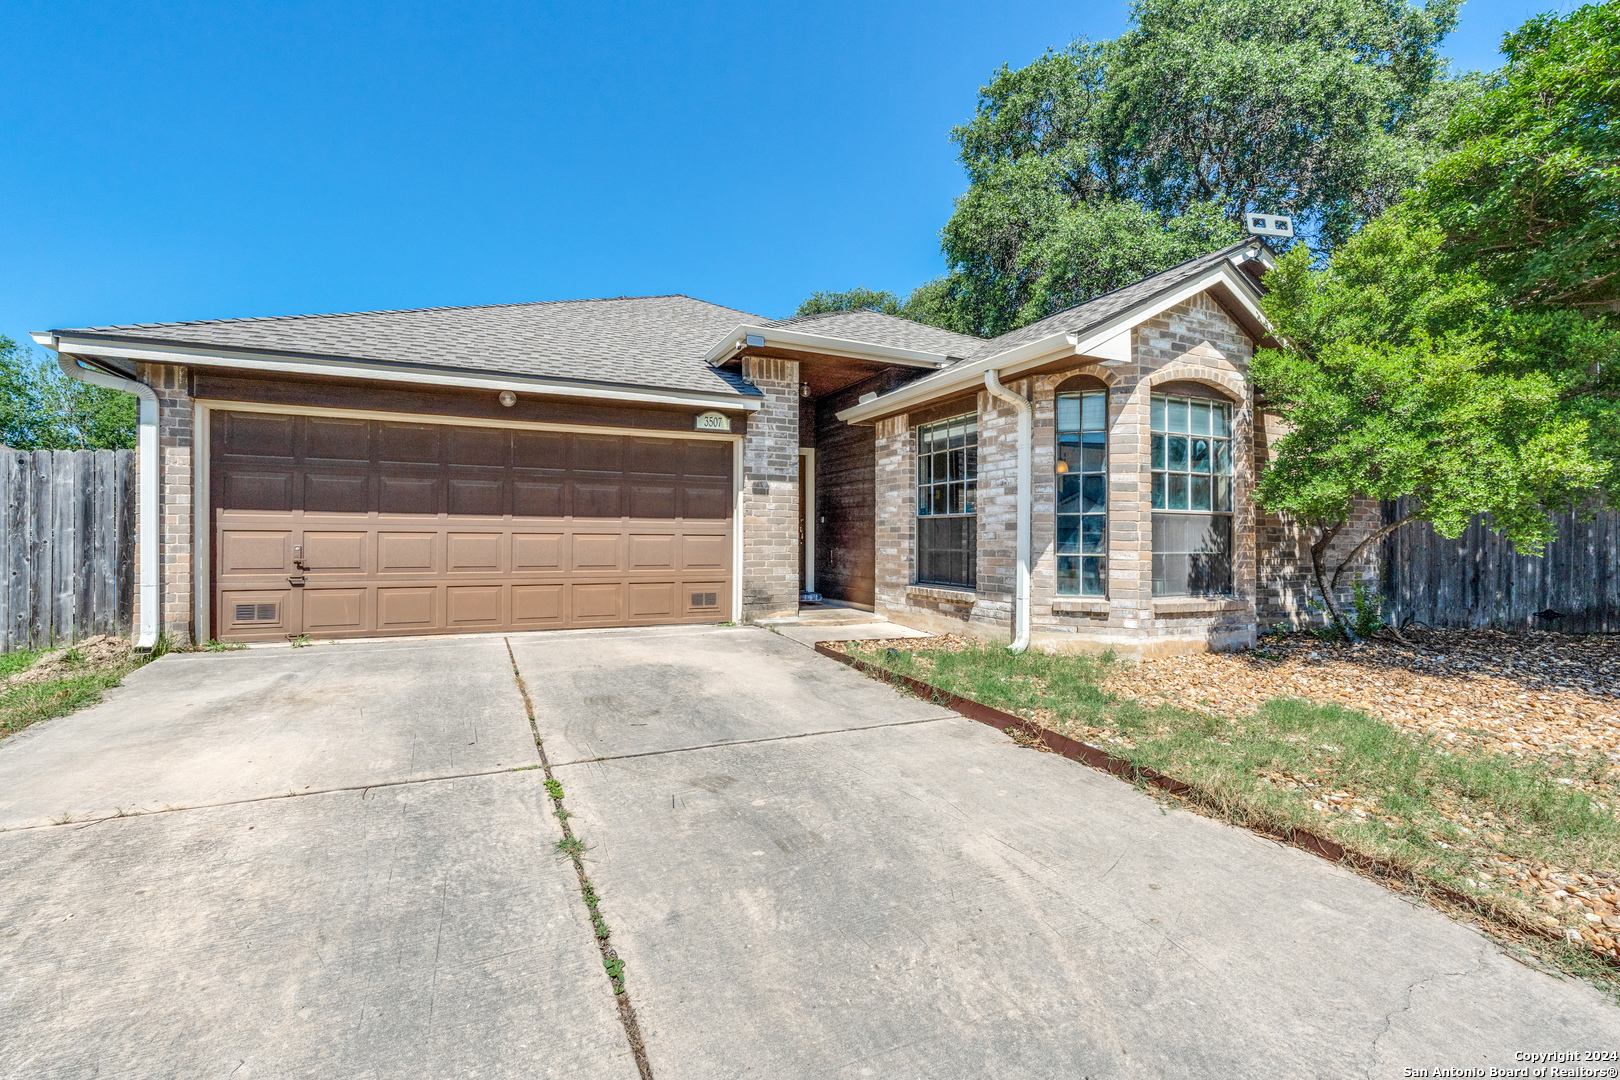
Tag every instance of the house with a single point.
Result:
(1082, 482)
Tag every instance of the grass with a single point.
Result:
(1440, 817)
(81, 685)
(28, 704)
(22, 660)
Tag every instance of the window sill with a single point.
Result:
(942, 592)
(1081, 605)
(1198, 605)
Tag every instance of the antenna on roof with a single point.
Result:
(1269, 224)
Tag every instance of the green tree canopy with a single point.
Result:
(1531, 197)
(1102, 163)
(43, 409)
(858, 299)
(1400, 376)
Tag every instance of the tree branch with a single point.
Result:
(1359, 548)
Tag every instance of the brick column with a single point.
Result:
(771, 561)
(997, 564)
(895, 492)
(175, 586)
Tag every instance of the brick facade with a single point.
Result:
(771, 561)
(1287, 589)
(1194, 342)
(175, 503)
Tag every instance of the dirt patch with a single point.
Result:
(91, 654)
(1521, 694)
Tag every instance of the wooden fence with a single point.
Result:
(1479, 580)
(68, 548)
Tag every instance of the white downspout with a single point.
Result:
(1026, 438)
(146, 519)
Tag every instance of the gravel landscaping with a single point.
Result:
(1484, 763)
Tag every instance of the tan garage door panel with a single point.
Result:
(348, 528)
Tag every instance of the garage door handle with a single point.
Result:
(296, 582)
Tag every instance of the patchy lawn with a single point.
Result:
(1526, 829)
(41, 684)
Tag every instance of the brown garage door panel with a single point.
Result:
(344, 528)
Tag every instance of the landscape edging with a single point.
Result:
(1098, 758)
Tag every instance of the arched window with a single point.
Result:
(1192, 492)
(1082, 487)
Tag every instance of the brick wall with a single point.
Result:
(895, 531)
(1193, 342)
(1286, 592)
(771, 560)
(175, 522)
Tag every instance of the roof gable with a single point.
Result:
(1083, 317)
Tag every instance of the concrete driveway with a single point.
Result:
(330, 869)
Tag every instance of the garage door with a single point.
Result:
(348, 528)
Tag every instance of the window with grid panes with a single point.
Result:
(1082, 493)
(1192, 496)
(947, 497)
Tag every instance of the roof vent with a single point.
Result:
(864, 398)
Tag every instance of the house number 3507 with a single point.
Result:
(713, 421)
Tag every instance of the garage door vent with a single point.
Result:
(255, 613)
(705, 599)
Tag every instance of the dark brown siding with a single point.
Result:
(846, 475)
(329, 393)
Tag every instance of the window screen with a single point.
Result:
(1192, 497)
(1082, 493)
(947, 496)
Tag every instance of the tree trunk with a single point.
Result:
(1325, 537)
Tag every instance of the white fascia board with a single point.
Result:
(821, 343)
(1099, 342)
(960, 376)
(391, 372)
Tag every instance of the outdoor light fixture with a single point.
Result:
(508, 398)
(1063, 466)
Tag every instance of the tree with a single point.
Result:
(1102, 163)
(1021, 250)
(43, 409)
(1401, 377)
(1531, 197)
(858, 299)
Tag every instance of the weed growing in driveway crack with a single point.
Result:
(573, 848)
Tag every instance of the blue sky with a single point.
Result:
(165, 162)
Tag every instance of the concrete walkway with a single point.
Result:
(331, 870)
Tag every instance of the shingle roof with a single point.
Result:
(1083, 317)
(876, 328)
(657, 342)
(650, 341)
